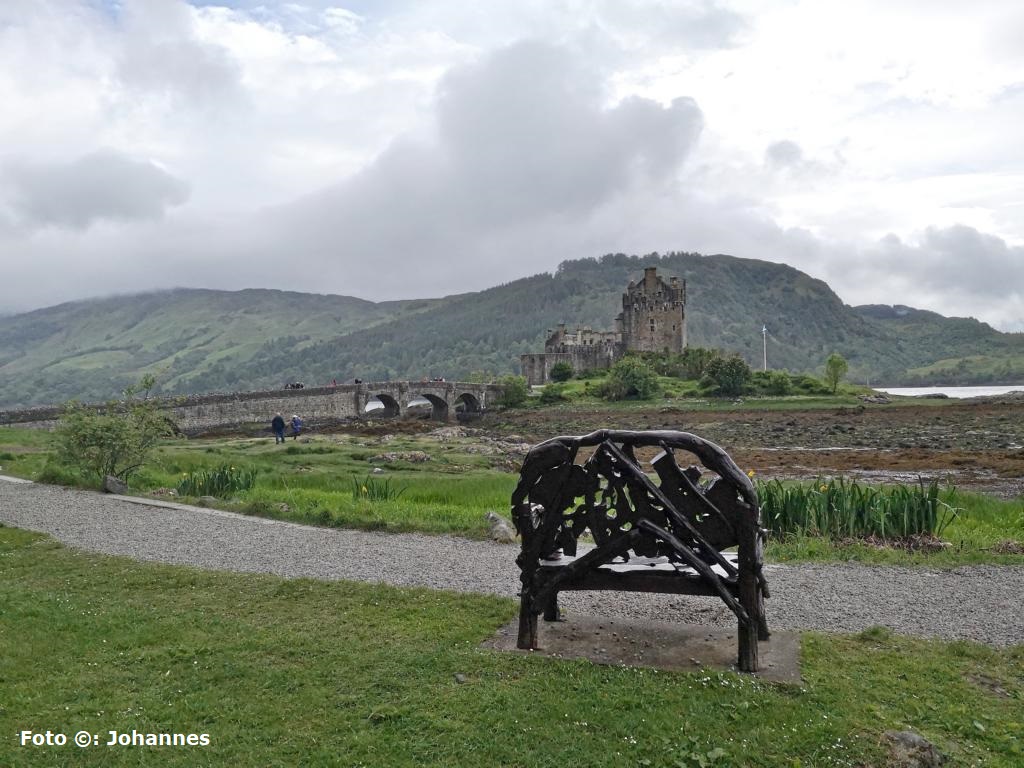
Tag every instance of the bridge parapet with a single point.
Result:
(316, 405)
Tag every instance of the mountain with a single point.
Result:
(203, 340)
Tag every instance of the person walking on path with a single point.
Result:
(296, 426)
(277, 424)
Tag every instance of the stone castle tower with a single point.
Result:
(653, 319)
(653, 315)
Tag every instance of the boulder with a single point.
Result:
(112, 484)
(912, 750)
(501, 529)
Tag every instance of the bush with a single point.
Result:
(221, 482)
(631, 378)
(561, 372)
(808, 385)
(727, 375)
(114, 440)
(775, 382)
(593, 373)
(514, 391)
(553, 393)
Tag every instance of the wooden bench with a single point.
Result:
(667, 536)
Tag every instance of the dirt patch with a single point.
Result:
(654, 644)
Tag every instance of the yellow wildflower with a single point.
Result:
(823, 488)
(751, 473)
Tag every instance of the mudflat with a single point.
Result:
(976, 444)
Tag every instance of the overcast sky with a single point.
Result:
(408, 148)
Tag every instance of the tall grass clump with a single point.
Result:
(223, 481)
(841, 509)
(374, 489)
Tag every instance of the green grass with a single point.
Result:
(310, 673)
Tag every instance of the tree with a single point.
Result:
(631, 377)
(114, 440)
(514, 391)
(835, 368)
(561, 371)
(729, 375)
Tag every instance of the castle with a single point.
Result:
(653, 319)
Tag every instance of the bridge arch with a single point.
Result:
(388, 409)
(438, 405)
(467, 407)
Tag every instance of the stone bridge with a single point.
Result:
(195, 414)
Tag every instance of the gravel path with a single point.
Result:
(982, 603)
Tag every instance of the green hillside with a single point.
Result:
(93, 349)
(203, 340)
(928, 348)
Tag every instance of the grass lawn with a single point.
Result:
(309, 673)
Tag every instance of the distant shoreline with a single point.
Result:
(959, 393)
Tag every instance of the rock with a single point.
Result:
(878, 399)
(460, 678)
(413, 457)
(444, 434)
(207, 501)
(911, 750)
(377, 471)
(116, 485)
(500, 529)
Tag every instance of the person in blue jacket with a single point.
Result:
(296, 426)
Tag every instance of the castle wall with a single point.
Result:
(537, 367)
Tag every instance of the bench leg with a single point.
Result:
(527, 624)
(551, 611)
(762, 620)
(747, 661)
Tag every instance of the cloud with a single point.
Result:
(163, 57)
(523, 139)
(103, 185)
(782, 154)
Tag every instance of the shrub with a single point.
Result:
(808, 385)
(561, 372)
(727, 375)
(514, 391)
(222, 482)
(114, 440)
(779, 383)
(553, 393)
(632, 378)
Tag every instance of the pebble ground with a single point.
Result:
(980, 603)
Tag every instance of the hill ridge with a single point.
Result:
(202, 339)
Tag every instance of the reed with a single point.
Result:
(222, 481)
(842, 509)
